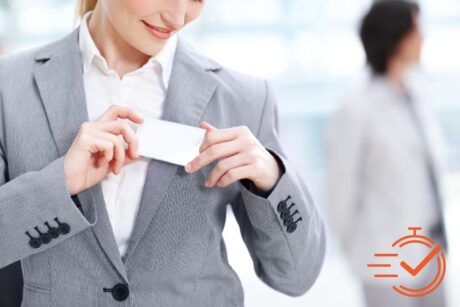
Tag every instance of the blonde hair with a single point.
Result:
(84, 6)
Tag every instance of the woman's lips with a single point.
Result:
(158, 32)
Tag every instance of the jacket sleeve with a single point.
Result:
(282, 229)
(36, 211)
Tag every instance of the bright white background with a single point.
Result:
(310, 51)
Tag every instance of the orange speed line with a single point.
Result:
(379, 265)
(386, 255)
(386, 275)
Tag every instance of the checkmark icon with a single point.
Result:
(421, 265)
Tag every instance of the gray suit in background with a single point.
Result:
(176, 256)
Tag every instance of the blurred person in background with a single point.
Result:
(95, 224)
(385, 158)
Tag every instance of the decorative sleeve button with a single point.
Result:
(287, 216)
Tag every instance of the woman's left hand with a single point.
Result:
(240, 155)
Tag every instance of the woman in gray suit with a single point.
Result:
(95, 224)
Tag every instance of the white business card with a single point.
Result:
(169, 141)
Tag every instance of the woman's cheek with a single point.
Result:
(136, 7)
(192, 15)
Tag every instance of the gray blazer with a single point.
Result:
(176, 256)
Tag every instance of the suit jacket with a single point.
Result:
(176, 256)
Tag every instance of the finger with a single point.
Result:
(214, 152)
(235, 174)
(118, 148)
(128, 159)
(207, 126)
(116, 111)
(217, 136)
(94, 145)
(119, 127)
(98, 148)
(224, 165)
(101, 160)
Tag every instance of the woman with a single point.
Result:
(95, 224)
(383, 158)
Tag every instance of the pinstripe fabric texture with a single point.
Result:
(176, 255)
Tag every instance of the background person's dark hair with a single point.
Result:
(382, 29)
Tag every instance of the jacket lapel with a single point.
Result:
(59, 78)
(190, 88)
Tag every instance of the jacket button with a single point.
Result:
(285, 213)
(53, 231)
(120, 292)
(291, 228)
(290, 224)
(45, 238)
(288, 221)
(283, 204)
(33, 242)
(64, 228)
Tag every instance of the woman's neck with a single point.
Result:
(120, 56)
(396, 73)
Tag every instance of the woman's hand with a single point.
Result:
(241, 156)
(98, 149)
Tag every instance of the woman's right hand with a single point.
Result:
(98, 149)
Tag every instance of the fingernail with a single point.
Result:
(207, 184)
(188, 167)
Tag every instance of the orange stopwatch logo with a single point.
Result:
(434, 255)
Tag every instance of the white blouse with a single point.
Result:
(145, 91)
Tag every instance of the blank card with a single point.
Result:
(169, 141)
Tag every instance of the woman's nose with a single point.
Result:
(174, 14)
